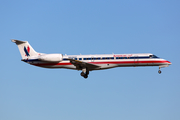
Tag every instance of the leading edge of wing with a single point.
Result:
(82, 64)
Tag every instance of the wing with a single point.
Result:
(80, 64)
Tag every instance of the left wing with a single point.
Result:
(80, 64)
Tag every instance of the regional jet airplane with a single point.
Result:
(87, 63)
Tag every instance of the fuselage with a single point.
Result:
(87, 63)
(104, 61)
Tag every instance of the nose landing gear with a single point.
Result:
(159, 71)
(162, 66)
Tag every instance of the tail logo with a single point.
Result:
(27, 51)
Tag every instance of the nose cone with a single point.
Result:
(169, 63)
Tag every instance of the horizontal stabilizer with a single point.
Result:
(18, 41)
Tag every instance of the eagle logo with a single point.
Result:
(27, 51)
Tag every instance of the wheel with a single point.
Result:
(159, 71)
(85, 76)
(82, 74)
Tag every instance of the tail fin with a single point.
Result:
(25, 49)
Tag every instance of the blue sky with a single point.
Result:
(90, 27)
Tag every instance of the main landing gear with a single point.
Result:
(84, 73)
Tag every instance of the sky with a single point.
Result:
(90, 27)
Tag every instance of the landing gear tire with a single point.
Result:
(82, 74)
(85, 76)
(159, 71)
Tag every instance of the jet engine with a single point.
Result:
(51, 57)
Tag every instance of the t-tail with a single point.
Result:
(25, 49)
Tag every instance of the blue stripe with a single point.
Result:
(103, 58)
(30, 60)
(112, 58)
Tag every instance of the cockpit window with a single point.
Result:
(153, 56)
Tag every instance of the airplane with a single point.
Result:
(87, 63)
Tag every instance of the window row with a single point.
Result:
(112, 58)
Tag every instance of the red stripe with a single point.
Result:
(28, 49)
(115, 62)
(127, 62)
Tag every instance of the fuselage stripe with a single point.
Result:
(105, 62)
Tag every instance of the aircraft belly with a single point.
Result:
(66, 65)
(101, 64)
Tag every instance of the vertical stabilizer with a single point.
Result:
(25, 49)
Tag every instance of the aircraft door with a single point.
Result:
(136, 60)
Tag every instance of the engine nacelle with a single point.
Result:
(51, 57)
